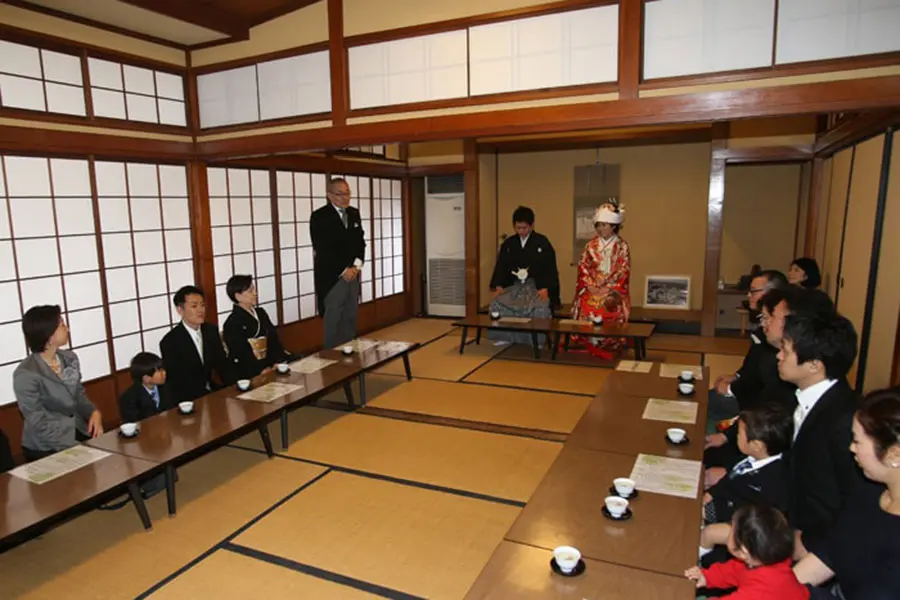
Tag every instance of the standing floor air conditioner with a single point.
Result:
(445, 246)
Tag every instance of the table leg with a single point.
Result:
(362, 389)
(134, 492)
(553, 350)
(537, 346)
(568, 340)
(478, 337)
(462, 342)
(285, 438)
(640, 351)
(266, 440)
(170, 488)
(348, 393)
(406, 367)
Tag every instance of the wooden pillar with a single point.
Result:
(337, 53)
(715, 206)
(201, 234)
(631, 29)
(814, 206)
(473, 277)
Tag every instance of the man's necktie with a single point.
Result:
(343, 212)
(745, 466)
(155, 395)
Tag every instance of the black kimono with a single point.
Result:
(537, 256)
(253, 345)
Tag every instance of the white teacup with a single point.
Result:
(186, 406)
(243, 384)
(686, 388)
(616, 506)
(624, 486)
(348, 350)
(687, 375)
(597, 319)
(128, 429)
(283, 367)
(566, 557)
(676, 435)
(495, 314)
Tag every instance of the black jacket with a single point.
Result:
(823, 472)
(538, 256)
(335, 247)
(241, 326)
(187, 376)
(769, 485)
(136, 404)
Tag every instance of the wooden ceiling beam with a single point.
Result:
(601, 140)
(854, 129)
(813, 98)
(200, 13)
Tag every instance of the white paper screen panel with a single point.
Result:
(299, 85)
(823, 29)
(688, 37)
(36, 79)
(557, 50)
(228, 97)
(418, 69)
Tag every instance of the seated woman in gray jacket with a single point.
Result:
(48, 388)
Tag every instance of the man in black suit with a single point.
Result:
(193, 350)
(339, 250)
(816, 354)
(736, 392)
(148, 394)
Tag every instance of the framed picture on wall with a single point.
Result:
(668, 291)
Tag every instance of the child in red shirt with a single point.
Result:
(762, 542)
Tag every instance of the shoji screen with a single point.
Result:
(822, 29)
(429, 67)
(298, 195)
(48, 255)
(549, 51)
(146, 234)
(240, 206)
(387, 249)
(36, 79)
(686, 37)
(137, 94)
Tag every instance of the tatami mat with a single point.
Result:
(698, 343)
(441, 359)
(420, 331)
(106, 554)
(497, 465)
(421, 542)
(525, 353)
(722, 364)
(225, 575)
(541, 376)
(486, 404)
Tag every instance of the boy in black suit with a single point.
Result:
(193, 350)
(148, 395)
(816, 354)
(339, 250)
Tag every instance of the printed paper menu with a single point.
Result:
(634, 366)
(59, 464)
(270, 392)
(672, 411)
(311, 364)
(663, 475)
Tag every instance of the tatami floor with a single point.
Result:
(405, 498)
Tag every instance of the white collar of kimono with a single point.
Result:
(605, 215)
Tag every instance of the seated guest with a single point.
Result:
(251, 338)
(764, 434)
(745, 282)
(525, 279)
(148, 395)
(761, 542)
(816, 353)
(863, 549)
(193, 350)
(48, 388)
(805, 273)
(731, 393)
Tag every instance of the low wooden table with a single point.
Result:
(27, 508)
(556, 330)
(652, 384)
(615, 423)
(662, 536)
(523, 572)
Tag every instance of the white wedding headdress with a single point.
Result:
(605, 214)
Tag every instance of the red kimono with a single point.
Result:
(606, 265)
(760, 583)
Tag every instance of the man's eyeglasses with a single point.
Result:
(752, 291)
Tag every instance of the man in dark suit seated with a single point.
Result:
(148, 394)
(339, 251)
(816, 354)
(193, 350)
